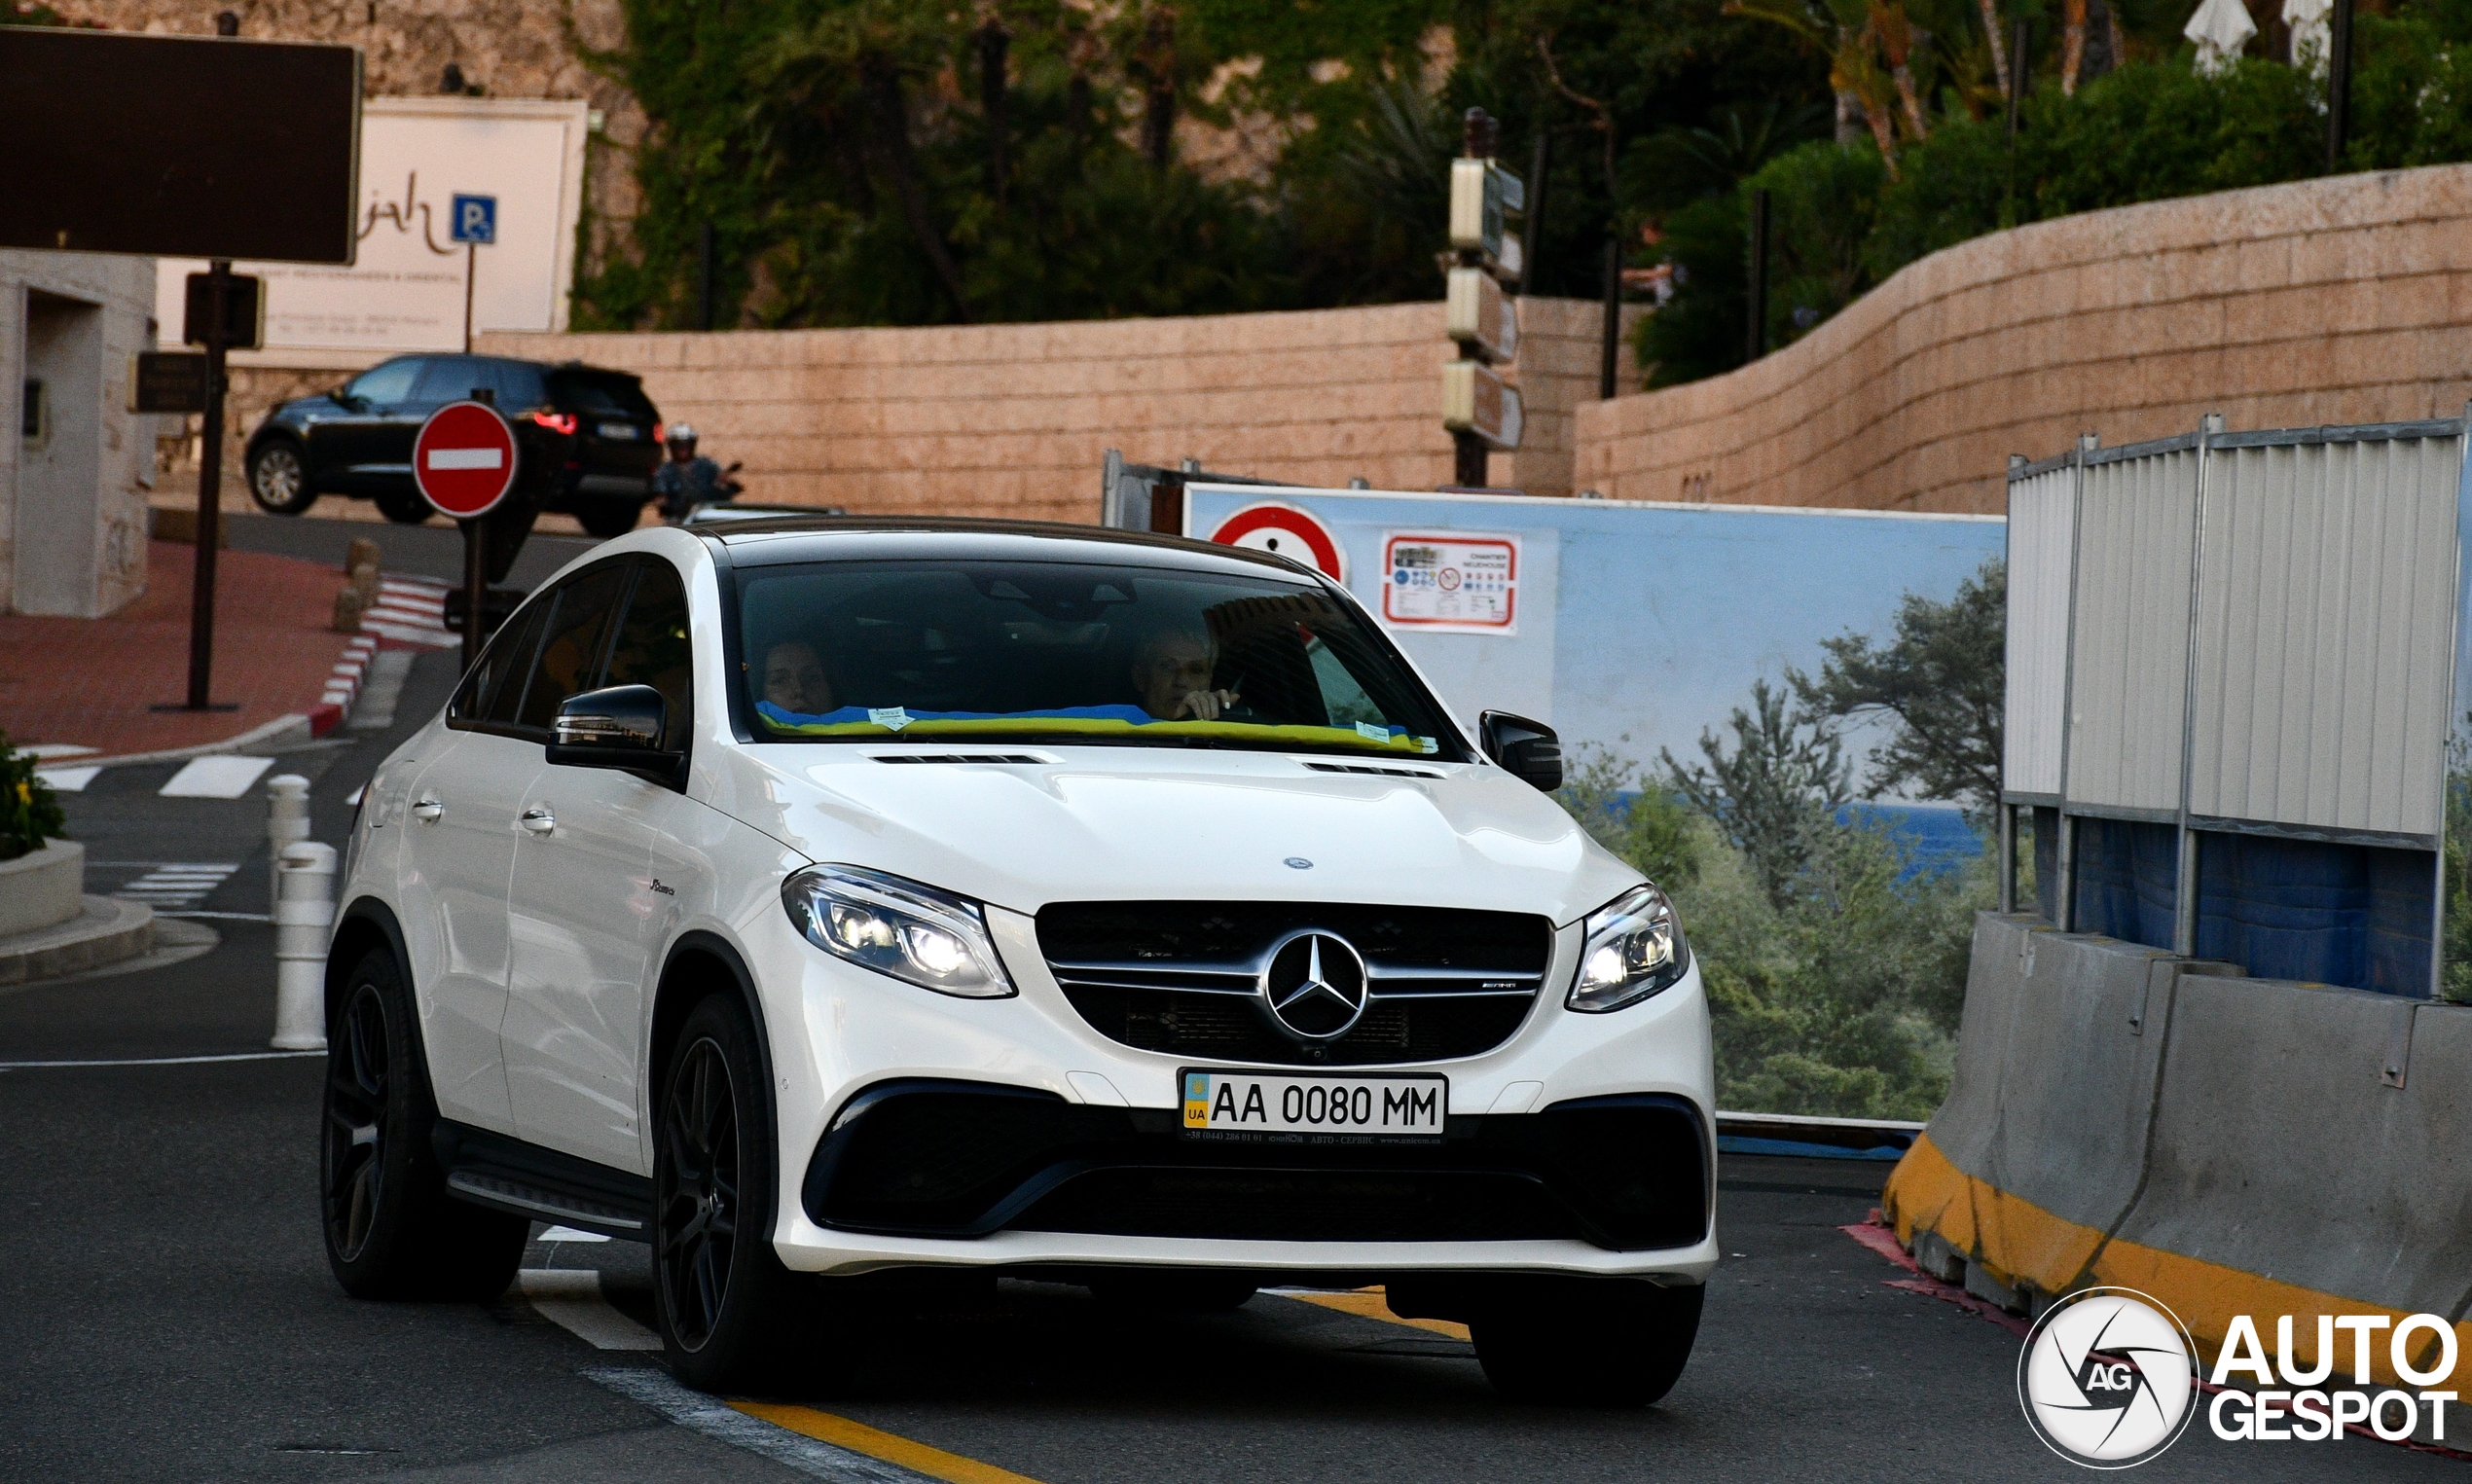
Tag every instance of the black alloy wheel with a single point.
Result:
(404, 507)
(391, 1229)
(727, 1306)
(278, 478)
(356, 1152)
(700, 1198)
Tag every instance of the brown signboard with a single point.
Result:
(179, 146)
(169, 382)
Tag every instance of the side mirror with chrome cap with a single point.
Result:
(619, 727)
(1528, 749)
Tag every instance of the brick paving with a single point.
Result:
(89, 682)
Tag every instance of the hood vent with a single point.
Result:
(960, 757)
(1388, 773)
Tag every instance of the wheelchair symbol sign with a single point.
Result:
(475, 219)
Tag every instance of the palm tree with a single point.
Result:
(1852, 34)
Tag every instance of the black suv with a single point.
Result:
(587, 440)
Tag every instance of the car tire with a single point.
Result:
(278, 478)
(404, 509)
(1173, 1292)
(1617, 1348)
(724, 1301)
(391, 1229)
(606, 518)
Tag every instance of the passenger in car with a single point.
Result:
(1172, 672)
(794, 679)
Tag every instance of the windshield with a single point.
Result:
(1068, 652)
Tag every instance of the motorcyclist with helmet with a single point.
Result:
(687, 479)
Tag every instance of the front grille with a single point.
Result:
(1184, 977)
(932, 1158)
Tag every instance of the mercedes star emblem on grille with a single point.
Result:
(1314, 985)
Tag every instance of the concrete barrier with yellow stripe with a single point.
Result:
(2229, 1145)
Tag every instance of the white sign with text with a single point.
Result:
(406, 290)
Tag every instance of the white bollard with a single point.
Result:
(303, 919)
(288, 822)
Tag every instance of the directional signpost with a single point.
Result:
(473, 221)
(1480, 410)
(464, 463)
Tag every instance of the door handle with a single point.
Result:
(428, 810)
(539, 821)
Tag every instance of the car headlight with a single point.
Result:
(913, 932)
(1634, 949)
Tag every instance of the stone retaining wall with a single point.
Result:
(2336, 301)
(1013, 420)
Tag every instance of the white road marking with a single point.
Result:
(569, 1234)
(659, 1390)
(353, 798)
(68, 780)
(237, 1056)
(216, 778)
(48, 750)
(571, 1298)
(173, 885)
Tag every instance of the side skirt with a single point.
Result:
(507, 1175)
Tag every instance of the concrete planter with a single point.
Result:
(42, 888)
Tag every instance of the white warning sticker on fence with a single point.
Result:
(1451, 582)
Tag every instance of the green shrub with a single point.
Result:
(29, 810)
(1842, 1003)
(1822, 201)
(2412, 93)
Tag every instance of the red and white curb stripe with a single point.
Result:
(410, 613)
(343, 686)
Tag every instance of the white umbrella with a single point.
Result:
(2311, 35)
(2220, 28)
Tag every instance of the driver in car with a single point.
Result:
(1172, 673)
(794, 679)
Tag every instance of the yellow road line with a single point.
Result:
(1368, 1303)
(858, 1438)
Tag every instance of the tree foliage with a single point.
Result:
(2147, 128)
(873, 161)
(1941, 683)
(1771, 792)
(1840, 1000)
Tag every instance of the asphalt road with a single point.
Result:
(433, 550)
(165, 1311)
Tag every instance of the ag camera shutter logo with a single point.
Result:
(2108, 1378)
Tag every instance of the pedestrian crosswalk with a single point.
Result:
(411, 610)
(172, 885)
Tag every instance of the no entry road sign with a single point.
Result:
(464, 459)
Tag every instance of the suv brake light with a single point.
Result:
(557, 423)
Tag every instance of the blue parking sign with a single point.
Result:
(475, 219)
